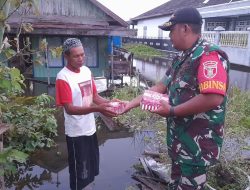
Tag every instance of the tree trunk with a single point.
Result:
(4, 10)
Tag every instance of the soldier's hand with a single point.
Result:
(163, 110)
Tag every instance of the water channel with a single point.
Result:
(153, 69)
(119, 149)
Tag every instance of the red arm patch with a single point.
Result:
(63, 93)
(212, 76)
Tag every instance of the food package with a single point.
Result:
(117, 107)
(152, 100)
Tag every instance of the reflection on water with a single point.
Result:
(48, 169)
(153, 69)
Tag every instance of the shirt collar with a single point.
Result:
(73, 69)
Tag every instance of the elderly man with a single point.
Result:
(76, 92)
(196, 84)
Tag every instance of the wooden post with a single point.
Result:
(112, 61)
(3, 128)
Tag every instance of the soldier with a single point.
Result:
(196, 84)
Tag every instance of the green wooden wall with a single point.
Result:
(97, 56)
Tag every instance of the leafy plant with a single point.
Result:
(8, 156)
(11, 81)
(33, 120)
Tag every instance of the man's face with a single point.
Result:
(76, 57)
(177, 36)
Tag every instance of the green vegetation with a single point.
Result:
(232, 173)
(228, 177)
(142, 51)
(7, 159)
(238, 112)
(136, 119)
(237, 126)
(32, 119)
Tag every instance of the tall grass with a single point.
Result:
(238, 112)
(136, 119)
(142, 51)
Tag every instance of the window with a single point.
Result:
(242, 25)
(90, 50)
(144, 31)
(54, 61)
(212, 25)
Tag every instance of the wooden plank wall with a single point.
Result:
(75, 8)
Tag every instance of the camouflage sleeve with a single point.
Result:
(166, 79)
(212, 76)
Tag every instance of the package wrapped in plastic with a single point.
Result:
(152, 100)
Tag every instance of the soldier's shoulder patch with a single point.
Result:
(210, 69)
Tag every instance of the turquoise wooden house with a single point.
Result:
(88, 20)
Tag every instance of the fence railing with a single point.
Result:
(235, 43)
(163, 44)
(209, 36)
(238, 39)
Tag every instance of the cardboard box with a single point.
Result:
(152, 100)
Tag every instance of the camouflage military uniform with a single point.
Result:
(194, 142)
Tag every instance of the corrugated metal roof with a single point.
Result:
(169, 7)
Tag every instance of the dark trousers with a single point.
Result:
(83, 158)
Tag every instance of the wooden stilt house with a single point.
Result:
(88, 20)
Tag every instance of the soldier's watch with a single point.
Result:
(171, 112)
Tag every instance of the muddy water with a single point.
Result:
(48, 169)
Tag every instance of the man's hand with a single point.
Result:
(106, 109)
(126, 107)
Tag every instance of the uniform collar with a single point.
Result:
(187, 52)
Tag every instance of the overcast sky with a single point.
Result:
(127, 9)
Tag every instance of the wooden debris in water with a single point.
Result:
(150, 183)
(149, 179)
(152, 154)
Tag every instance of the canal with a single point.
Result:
(153, 69)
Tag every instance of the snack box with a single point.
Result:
(151, 100)
(117, 106)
